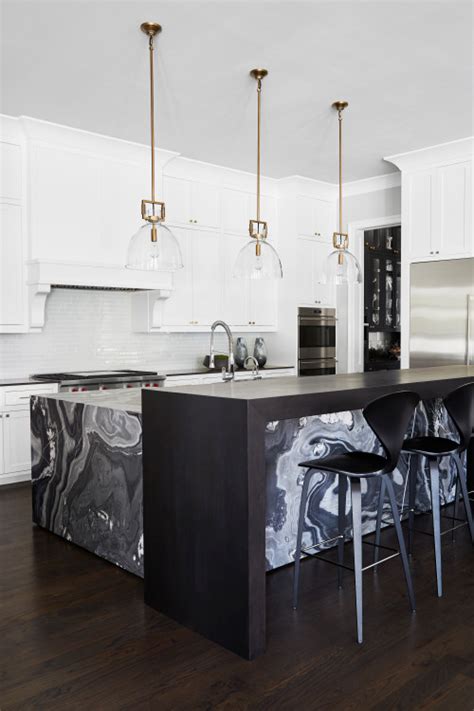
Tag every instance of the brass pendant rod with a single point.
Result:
(340, 170)
(152, 114)
(259, 114)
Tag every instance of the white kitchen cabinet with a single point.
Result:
(310, 289)
(239, 207)
(191, 203)
(249, 304)
(439, 206)
(314, 218)
(12, 286)
(15, 436)
(16, 441)
(195, 301)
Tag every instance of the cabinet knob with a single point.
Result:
(437, 251)
(7, 415)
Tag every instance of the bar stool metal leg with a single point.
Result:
(412, 472)
(296, 573)
(342, 493)
(378, 524)
(401, 540)
(357, 540)
(465, 496)
(434, 478)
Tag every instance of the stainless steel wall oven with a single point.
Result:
(316, 341)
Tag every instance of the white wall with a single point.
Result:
(92, 330)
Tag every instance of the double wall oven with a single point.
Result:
(316, 341)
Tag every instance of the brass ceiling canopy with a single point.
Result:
(258, 73)
(150, 28)
(340, 105)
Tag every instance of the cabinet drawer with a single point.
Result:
(22, 396)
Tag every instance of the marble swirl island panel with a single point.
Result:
(87, 476)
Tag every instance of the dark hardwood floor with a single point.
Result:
(75, 634)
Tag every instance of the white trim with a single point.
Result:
(355, 321)
(461, 149)
(372, 185)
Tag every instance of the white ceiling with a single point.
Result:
(404, 66)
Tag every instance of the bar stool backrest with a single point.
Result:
(389, 417)
(460, 406)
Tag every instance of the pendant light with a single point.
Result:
(341, 266)
(153, 247)
(258, 259)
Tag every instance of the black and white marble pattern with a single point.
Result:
(289, 442)
(87, 477)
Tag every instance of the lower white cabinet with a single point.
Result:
(174, 381)
(15, 434)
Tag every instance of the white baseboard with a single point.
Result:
(15, 478)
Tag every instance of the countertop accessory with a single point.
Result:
(255, 369)
(342, 267)
(227, 373)
(241, 352)
(153, 247)
(260, 351)
(258, 259)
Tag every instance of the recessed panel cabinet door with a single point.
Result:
(205, 205)
(420, 193)
(178, 309)
(454, 185)
(304, 286)
(207, 279)
(11, 266)
(237, 210)
(16, 441)
(236, 291)
(263, 302)
(177, 197)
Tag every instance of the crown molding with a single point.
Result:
(442, 153)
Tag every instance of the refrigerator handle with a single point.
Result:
(470, 312)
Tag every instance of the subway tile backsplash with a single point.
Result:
(92, 330)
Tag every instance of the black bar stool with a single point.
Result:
(460, 407)
(388, 416)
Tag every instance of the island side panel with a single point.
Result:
(204, 516)
(87, 478)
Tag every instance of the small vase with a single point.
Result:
(260, 352)
(241, 352)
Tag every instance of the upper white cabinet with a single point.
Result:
(309, 287)
(13, 248)
(240, 206)
(437, 201)
(196, 296)
(315, 218)
(191, 203)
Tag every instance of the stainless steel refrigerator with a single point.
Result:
(442, 313)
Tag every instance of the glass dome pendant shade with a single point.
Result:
(258, 259)
(153, 247)
(341, 267)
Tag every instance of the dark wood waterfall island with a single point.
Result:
(204, 460)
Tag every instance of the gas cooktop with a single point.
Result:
(95, 374)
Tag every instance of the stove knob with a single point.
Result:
(74, 390)
(83, 390)
(129, 385)
(147, 385)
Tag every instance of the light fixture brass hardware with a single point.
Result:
(152, 216)
(255, 225)
(258, 229)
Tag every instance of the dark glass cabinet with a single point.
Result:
(382, 299)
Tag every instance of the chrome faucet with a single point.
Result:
(255, 371)
(227, 374)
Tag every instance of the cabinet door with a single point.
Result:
(305, 216)
(178, 309)
(263, 302)
(205, 205)
(207, 282)
(323, 294)
(304, 271)
(420, 192)
(236, 291)
(2, 447)
(16, 441)
(177, 197)
(454, 183)
(324, 220)
(236, 212)
(11, 266)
